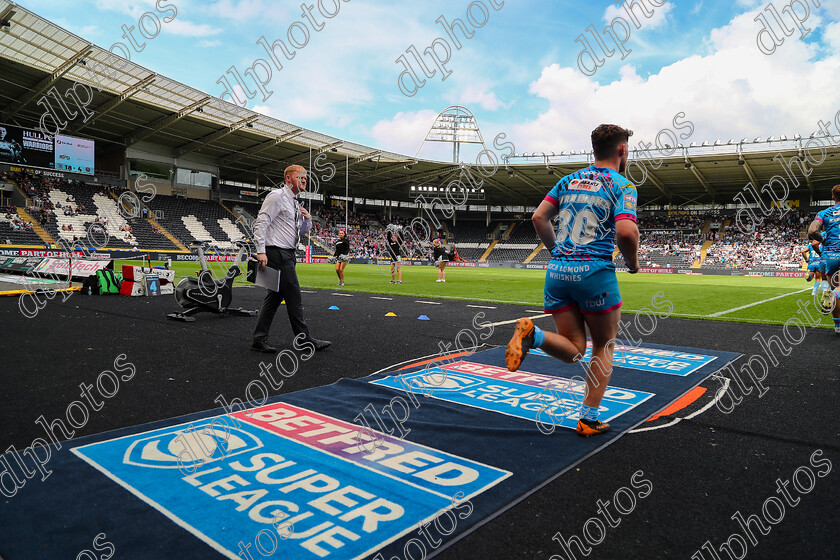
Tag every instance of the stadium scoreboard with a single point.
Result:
(34, 148)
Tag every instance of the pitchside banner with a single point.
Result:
(531, 396)
(303, 477)
(81, 268)
(21, 265)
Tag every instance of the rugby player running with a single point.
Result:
(813, 256)
(596, 210)
(830, 220)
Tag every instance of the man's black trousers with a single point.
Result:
(284, 261)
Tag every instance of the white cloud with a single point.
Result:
(404, 131)
(250, 11)
(185, 28)
(206, 44)
(478, 94)
(733, 91)
(134, 8)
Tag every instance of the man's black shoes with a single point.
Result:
(319, 344)
(262, 346)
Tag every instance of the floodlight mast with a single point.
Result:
(456, 125)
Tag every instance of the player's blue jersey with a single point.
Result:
(830, 217)
(813, 256)
(590, 202)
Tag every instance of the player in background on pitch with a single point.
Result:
(393, 246)
(813, 256)
(829, 219)
(440, 259)
(342, 255)
(596, 210)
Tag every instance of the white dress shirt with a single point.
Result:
(280, 222)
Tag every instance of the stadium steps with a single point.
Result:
(231, 212)
(36, 226)
(703, 250)
(488, 251)
(506, 236)
(706, 227)
(723, 229)
(319, 241)
(536, 252)
(168, 235)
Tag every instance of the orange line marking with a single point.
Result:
(680, 403)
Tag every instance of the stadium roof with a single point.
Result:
(132, 104)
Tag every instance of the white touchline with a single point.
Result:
(719, 313)
(481, 306)
(340, 294)
(515, 320)
(388, 298)
(429, 302)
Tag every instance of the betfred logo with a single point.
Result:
(585, 185)
(190, 446)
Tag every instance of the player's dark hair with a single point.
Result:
(835, 193)
(607, 138)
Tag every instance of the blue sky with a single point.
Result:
(518, 73)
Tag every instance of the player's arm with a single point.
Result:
(541, 219)
(626, 229)
(805, 254)
(814, 230)
(816, 245)
(627, 240)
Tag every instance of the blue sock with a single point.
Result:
(836, 323)
(539, 337)
(589, 413)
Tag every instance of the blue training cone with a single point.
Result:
(334, 307)
(423, 318)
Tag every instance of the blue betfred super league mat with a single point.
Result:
(391, 465)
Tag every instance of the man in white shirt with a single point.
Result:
(277, 231)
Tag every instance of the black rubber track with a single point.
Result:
(703, 470)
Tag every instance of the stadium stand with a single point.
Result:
(472, 238)
(518, 243)
(774, 246)
(14, 230)
(67, 209)
(193, 220)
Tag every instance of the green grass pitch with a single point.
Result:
(696, 297)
